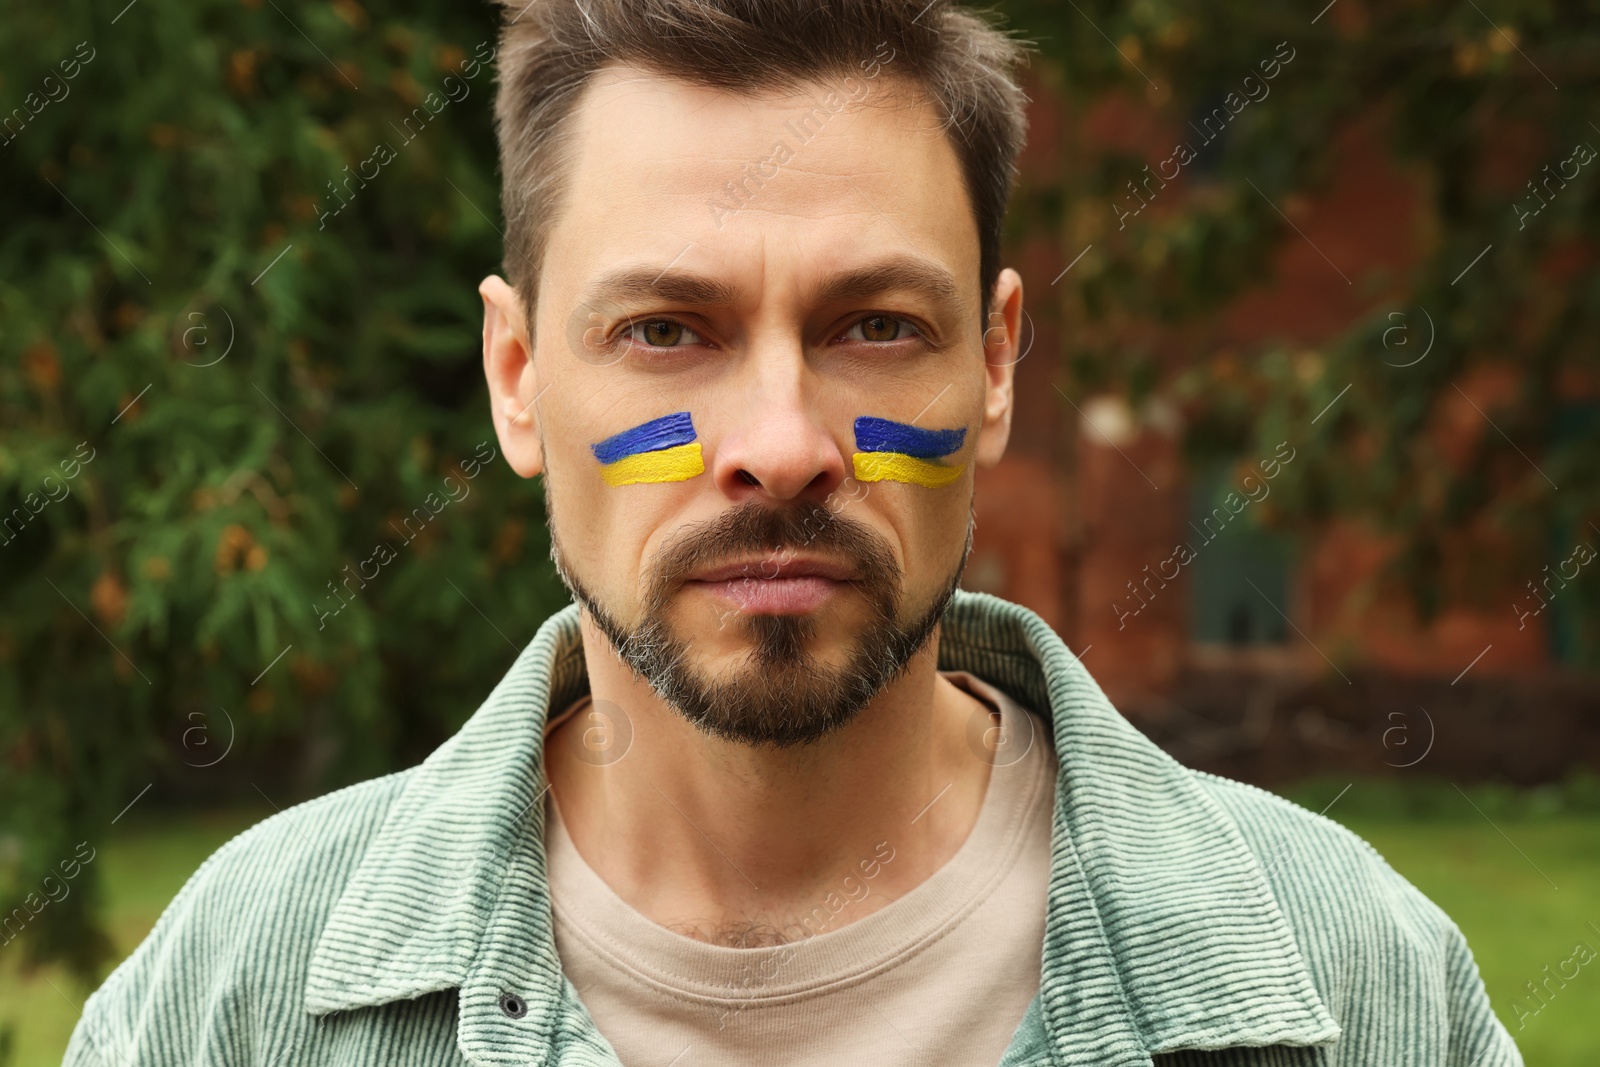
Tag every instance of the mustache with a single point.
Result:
(753, 527)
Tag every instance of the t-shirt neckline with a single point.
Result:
(586, 908)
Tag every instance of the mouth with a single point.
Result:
(775, 584)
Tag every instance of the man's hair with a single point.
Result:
(549, 49)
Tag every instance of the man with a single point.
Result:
(773, 791)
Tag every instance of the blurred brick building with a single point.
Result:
(1263, 658)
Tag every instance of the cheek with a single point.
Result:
(944, 537)
(924, 529)
(584, 511)
(608, 532)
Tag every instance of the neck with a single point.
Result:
(711, 836)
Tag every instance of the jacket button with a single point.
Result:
(514, 1006)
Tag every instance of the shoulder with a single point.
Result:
(253, 909)
(1368, 936)
(317, 841)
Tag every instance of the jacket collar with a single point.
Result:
(1161, 933)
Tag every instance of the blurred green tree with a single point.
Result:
(238, 355)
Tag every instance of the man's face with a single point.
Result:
(731, 283)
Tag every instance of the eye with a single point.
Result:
(881, 328)
(662, 333)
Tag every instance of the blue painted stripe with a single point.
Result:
(668, 431)
(885, 435)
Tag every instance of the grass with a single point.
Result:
(1520, 875)
(143, 868)
(1516, 921)
(1519, 872)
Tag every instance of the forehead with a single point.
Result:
(773, 189)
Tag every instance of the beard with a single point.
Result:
(782, 695)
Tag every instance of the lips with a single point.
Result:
(776, 568)
(775, 586)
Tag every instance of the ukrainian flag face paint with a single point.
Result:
(891, 451)
(661, 450)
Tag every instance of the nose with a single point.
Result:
(774, 444)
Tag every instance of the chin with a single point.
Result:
(788, 681)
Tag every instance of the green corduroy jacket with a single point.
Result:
(405, 921)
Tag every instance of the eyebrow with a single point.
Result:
(679, 287)
(895, 274)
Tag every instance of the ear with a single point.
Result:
(513, 384)
(1002, 349)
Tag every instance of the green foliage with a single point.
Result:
(249, 397)
(1466, 102)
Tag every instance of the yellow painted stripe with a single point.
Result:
(676, 464)
(899, 467)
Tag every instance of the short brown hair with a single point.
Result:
(549, 49)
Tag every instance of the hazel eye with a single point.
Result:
(662, 333)
(880, 328)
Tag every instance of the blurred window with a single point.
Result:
(1231, 553)
(1574, 635)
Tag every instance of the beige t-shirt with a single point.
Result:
(942, 975)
